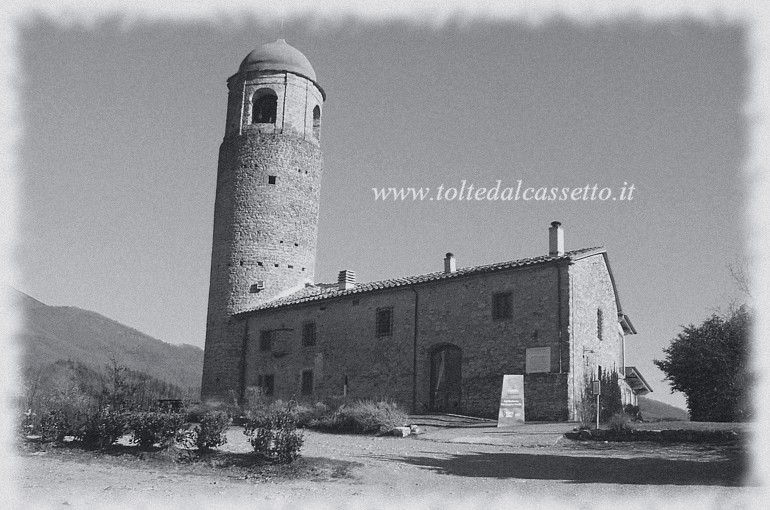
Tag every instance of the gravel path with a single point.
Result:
(442, 468)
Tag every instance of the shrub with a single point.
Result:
(150, 427)
(210, 433)
(274, 434)
(53, 426)
(611, 403)
(633, 412)
(195, 413)
(620, 421)
(305, 415)
(100, 427)
(361, 417)
(587, 407)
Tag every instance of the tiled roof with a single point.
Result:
(322, 291)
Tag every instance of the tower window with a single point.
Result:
(271, 180)
(264, 107)
(317, 122)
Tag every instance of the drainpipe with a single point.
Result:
(244, 348)
(559, 310)
(414, 352)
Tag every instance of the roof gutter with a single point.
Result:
(414, 350)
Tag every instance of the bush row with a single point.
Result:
(271, 427)
(103, 427)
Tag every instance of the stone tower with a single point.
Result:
(267, 195)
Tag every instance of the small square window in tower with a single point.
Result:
(308, 334)
(502, 305)
(265, 340)
(271, 179)
(307, 382)
(384, 326)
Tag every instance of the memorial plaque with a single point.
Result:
(511, 401)
(538, 359)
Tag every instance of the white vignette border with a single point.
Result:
(754, 15)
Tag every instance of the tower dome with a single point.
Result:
(278, 56)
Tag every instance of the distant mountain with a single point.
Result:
(53, 333)
(653, 410)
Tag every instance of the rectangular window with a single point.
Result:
(265, 340)
(271, 179)
(267, 384)
(599, 324)
(307, 382)
(502, 305)
(384, 321)
(308, 334)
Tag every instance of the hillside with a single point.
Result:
(653, 410)
(52, 333)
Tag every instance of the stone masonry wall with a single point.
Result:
(459, 312)
(346, 345)
(456, 311)
(592, 290)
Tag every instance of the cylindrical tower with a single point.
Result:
(266, 209)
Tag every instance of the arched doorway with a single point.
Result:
(445, 379)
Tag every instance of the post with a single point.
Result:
(597, 411)
(596, 388)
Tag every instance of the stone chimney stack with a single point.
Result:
(555, 239)
(450, 266)
(346, 280)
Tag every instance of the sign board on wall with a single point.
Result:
(511, 401)
(538, 360)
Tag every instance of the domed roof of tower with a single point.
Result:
(278, 56)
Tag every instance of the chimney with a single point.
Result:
(346, 280)
(449, 263)
(555, 239)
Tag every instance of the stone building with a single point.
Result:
(435, 342)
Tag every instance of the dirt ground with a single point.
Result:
(531, 466)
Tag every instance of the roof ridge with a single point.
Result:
(329, 290)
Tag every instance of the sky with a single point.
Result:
(122, 125)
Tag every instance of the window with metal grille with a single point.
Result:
(308, 334)
(265, 340)
(307, 382)
(384, 325)
(599, 323)
(502, 305)
(267, 384)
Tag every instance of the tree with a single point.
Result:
(611, 399)
(118, 392)
(710, 365)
